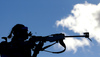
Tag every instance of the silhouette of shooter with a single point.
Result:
(18, 47)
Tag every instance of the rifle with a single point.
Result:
(58, 38)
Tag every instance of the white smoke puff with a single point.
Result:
(85, 18)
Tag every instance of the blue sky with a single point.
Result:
(41, 17)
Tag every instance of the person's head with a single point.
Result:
(19, 31)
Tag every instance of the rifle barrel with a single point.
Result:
(80, 36)
(76, 36)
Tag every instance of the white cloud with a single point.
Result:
(84, 18)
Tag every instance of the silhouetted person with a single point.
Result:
(18, 47)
